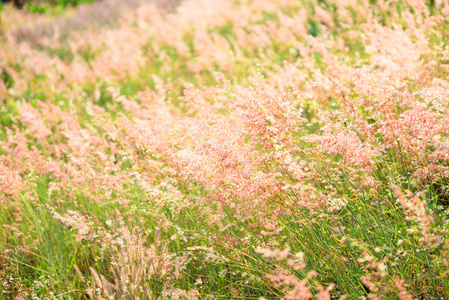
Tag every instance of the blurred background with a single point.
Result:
(32, 20)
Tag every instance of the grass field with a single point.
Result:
(232, 149)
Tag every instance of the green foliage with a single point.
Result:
(41, 6)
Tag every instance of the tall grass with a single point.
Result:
(228, 150)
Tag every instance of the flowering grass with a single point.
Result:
(227, 150)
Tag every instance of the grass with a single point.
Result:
(151, 176)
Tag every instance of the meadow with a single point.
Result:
(232, 149)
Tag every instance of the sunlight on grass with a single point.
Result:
(238, 149)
